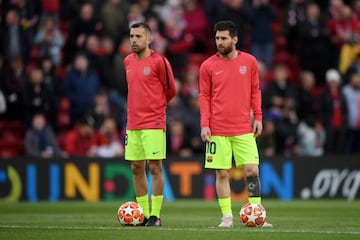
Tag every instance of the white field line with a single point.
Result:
(183, 229)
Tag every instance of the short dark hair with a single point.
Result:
(226, 25)
(86, 120)
(143, 25)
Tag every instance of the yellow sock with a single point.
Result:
(255, 200)
(225, 206)
(156, 204)
(143, 201)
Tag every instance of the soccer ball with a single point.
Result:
(130, 214)
(252, 215)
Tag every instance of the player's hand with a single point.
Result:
(206, 134)
(257, 128)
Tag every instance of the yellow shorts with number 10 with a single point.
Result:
(147, 144)
(220, 151)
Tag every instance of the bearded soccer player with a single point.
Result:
(150, 87)
(229, 91)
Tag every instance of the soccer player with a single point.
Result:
(229, 94)
(150, 87)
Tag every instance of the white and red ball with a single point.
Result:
(130, 214)
(252, 215)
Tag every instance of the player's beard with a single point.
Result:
(137, 49)
(224, 51)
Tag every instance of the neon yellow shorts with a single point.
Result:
(221, 149)
(147, 144)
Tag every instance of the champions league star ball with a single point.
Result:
(252, 215)
(130, 214)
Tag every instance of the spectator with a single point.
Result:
(105, 61)
(159, 43)
(50, 40)
(29, 12)
(93, 51)
(356, 9)
(178, 140)
(344, 36)
(354, 68)
(193, 129)
(263, 75)
(107, 140)
(267, 141)
(2, 95)
(190, 85)
(112, 76)
(236, 11)
(118, 82)
(14, 41)
(148, 7)
(261, 15)
(295, 15)
(351, 47)
(2, 103)
(2, 68)
(351, 92)
(333, 112)
(71, 8)
(81, 27)
(334, 9)
(113, 16)
(314, 43)
(13, 87)
(312, 139)
(101, 109)
(286, 129)
(176, 108)
(279, 102)
(278, 91)
(135, 14)
(80, 86)
(40, 140)
(213, 9)
(37, 98)
(179, 42)
(79, 140)
(52, 84)
(307, 106)
(197, 26)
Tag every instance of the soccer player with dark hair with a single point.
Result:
(150, 87)
(229, 96)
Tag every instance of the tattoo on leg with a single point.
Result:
(253, 186)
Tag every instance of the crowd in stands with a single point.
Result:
(63, 87)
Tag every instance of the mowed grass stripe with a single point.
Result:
(183, 229)
(182, 220)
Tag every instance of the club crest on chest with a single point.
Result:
(243, 69)
(147, 70)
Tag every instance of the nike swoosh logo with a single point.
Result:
(155, 152)
(218, 72)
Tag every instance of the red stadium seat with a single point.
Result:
(63, 120)
(11, 138)
(280, 43)
(64, 105)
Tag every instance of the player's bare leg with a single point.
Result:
(253, 185)
(223, 192)
(139, 177)
(138, 169)
(155, 167)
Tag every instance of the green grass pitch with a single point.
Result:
(182, 219)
